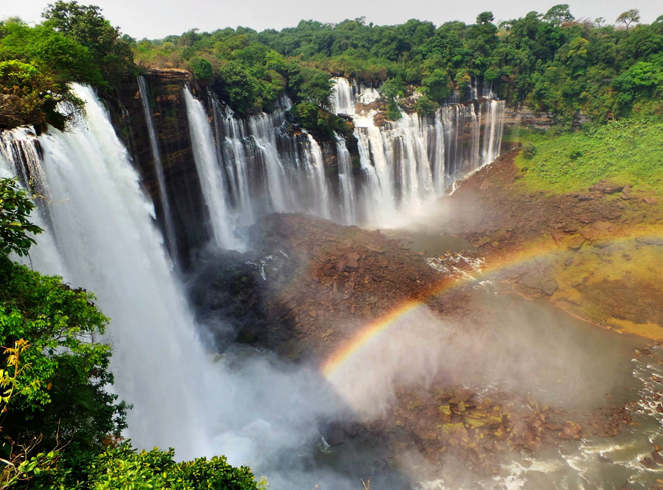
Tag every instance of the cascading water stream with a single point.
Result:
(346, 182)
(411, 161)
(315, 167)
(210, 174)
(156, 155)
(102, 237)
(230, 141)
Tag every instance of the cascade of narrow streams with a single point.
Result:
(210, 174)
(156, 155)
(249, 167)
(411, 161)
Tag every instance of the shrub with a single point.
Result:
(393, 112)
(202, 69)
(424, 106)
(528, 151)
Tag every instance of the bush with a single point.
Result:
(314, 118)
(424, 106)
(123, 467)
(202, 69)
(574, 154)
(528, 151)
(393, 112)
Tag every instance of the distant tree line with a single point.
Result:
(551, 61)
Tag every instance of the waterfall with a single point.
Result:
(315, 168)
(268, 169)
(230, 140)
(346, 182)
(102, 237)
(405, 164)
(156, 155)
(210, 174)
(263, 163)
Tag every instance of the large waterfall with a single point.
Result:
(99, 234)
(405, 164)
(263, 164)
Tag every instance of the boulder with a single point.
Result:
(607, 187)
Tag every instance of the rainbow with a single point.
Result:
(373, 331)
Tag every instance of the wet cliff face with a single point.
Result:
(187, 208)
(182, 184)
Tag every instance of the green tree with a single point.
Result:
(437, 85)
(202, 69)
(559, 14)
(86, 25)
(629, 17)
(16, 230)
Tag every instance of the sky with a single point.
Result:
(156, 19)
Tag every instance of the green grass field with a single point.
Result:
(626, 151)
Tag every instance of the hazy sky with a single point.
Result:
(156, 19)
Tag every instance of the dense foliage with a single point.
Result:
(60, 426)
(74, 44)
(549, 61)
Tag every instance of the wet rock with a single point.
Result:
(541, 282)
(602, 459)
(335, 436)
(572, 428)
(657, 457)
(352, 260)
(576, 242)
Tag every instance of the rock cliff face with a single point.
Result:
(174, 142)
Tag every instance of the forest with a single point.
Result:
(550, 62)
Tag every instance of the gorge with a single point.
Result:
(420, 269)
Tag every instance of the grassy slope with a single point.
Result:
(627, 151)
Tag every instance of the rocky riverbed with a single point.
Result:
(310, 286)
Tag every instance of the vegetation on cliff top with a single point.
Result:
(60, 425)
(549, 61)
(75, 43)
